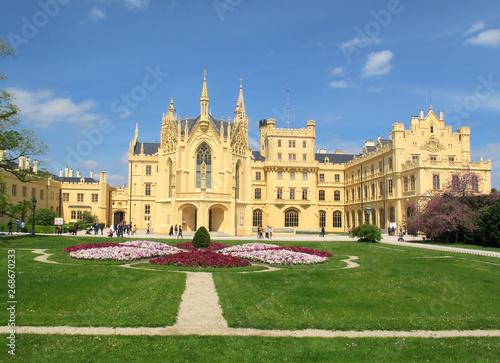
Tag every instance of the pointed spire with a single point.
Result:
(204, 98)
(171, 108)
(240, 104)
(136, 130)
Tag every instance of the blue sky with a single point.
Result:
(86, 71)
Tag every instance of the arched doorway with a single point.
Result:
(118, 217)
(381, 216)
(216, 219)
(189, 216)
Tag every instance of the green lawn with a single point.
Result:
(395, 288)
(52, 348)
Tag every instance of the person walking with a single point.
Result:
(18, 226)
(23, 227)
(175, 229)
(147, 230)
(10, 226)
(134, 230)
(171, 231)
(180, 232)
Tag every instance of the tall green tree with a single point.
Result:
(15, 143)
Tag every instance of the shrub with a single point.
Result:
(367, 233)
(87, 218)
(201, 238)
(43, 217)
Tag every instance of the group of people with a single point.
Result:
(121, 228)
(176, 230)
(266, 231)
(20, 226)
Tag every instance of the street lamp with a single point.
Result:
(33, 203)
(368, 211)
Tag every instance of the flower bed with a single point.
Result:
(189, 246)
(307, 250)
(279, 257)
(200, 259)
(234, 256)
(87, 246)
(127, 251)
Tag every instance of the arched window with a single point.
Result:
(170, 177)
(237, 181)
(348, 220)
(336, 195)
(322, 219)
(392, 215)
(257, 218)
(204, 166)
(432, 129)
(353, 214)
(291, 218)
(381, 215)
(337, 219)
(360, 218)
(147, 209)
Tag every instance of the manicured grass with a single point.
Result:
(395, 288)
(56, 348)
(88, 295)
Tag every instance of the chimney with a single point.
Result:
(35, 167)
(78, 174)
(27, 163)
(102, 178)
(421, 113)
(21, 162)
(71, 173)
(60, 173)
(66, 173)
(441, 115)
(124, 185)
(92, 174)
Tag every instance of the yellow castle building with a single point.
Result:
(203, 173)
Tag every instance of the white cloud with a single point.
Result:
(116, 180)
(124, 158)
(360, 42)
(338, 84)
(253, 144)
(488, 38)
(475, 28)
(378, 63)
(136, 4)
(89, 164)
(43, 109)
(337, 72)
(96, 14)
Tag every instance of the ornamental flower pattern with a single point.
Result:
(234, 256)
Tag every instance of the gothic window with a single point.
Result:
(204, 166)
(322, 219)
(337, 219)
(412, 182)
(304, 194)
(257, 218)
(237, 182)
(292, 193)
(291, 218)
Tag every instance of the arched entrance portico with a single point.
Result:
(118, 217)
(216, 219)
(189, 217)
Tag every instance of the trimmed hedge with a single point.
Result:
(201, 238)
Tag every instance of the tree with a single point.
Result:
(15, 143)
(450, 215)
(43, 217)
(87, 217)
